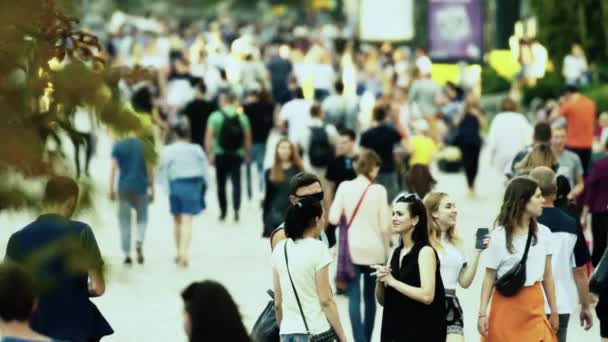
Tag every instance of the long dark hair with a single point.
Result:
(420, 180)
(416, 209)
(277, 174)
(300, 217)
(518, 193)
(213, 313)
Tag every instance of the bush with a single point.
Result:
(552, 86)
(492, 82)
(599, 94)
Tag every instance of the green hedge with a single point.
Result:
(492, 82)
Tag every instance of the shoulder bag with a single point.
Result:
(346, 269)
(512, 281)
(329, 335)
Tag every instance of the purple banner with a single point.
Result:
(455, 30)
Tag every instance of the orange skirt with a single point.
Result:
(519, 318)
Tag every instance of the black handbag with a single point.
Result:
(598, 283)
(329, 335)
(265, 328)
(511, 282)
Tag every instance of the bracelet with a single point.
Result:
(480, 316)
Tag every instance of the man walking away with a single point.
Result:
(570, 254)
(134, 182)
(66, 263)
(228, 142)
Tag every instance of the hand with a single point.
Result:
(584, 221)
(112, 195)
(586, 318)
(482, 325)
(151, 196)
(211, 159)
(381, 272)
(554, 320)
(571, 196)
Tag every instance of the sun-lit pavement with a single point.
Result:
(143, 302)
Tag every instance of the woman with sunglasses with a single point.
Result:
(520, 317)
(455, 267)
(410, 286)
(361, 210)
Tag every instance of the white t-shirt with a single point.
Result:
(574, 67)
(306, 258)
(297, 114)
(498, 257)
(451, 262)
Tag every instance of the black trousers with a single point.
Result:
(585, 155)
(228, 166)
(599, 230)
(470, 161)
(88, 140)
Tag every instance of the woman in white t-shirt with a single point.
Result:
(456, 269)
(304, 302)
(520, 317)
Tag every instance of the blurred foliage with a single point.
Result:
(39, 98)
(599, 94)
(550, 87)
(563, 23)
(492, 82)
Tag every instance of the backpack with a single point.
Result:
(320, 151)
(232, 134)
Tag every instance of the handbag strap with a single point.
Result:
(525, 257)
(295, 292)
(352, 218)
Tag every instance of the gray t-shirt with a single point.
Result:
(570, 166)
(424, 93)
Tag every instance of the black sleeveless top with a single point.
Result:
(405, 319)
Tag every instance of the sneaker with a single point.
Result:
(236, 216)
(140, 254)
(222, 217)
(128, 261)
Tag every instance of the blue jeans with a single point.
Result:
(126, 203)
(295, 338)
(258, 152)
(363, 327)
(389, 181)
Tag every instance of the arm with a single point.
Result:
(277, 237)
(336, 209)
(97, 283)
(278, 297)
(328, 305)
(486, 292)
(151, 182)
(427, 263)
(549, 287)
(578, 188)
(209, 135)
(582, 285)
(330, 189)
(113, 172)
(467, 274)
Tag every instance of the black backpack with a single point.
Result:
(232, 134)
(320, 151)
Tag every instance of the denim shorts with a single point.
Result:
(186, 196)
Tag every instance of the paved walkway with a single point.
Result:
(143, 302)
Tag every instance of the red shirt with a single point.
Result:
(579, 112)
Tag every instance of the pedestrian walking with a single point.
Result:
(84, 130)
(509, 133)
(409, 286)
(210, 314)
(517, 311)
(363, 216)
(539, 155)
(184, 171)
(570, 255)
(198, 111)
(318, 142)
(134, 191)
(469, 139)
(18, 298)
(382, 138)
(541, 136)
(228, 144)
(65, 261)
(260, 110)
(570, 165)
(595, 203)
(421, 146)
(455, 267)
(304, 302)
(287, 163)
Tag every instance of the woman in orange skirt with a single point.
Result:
(520, 317)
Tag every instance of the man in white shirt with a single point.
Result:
(295, 116)
(570, 255)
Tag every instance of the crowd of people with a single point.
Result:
(342, 138)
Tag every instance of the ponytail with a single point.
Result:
(301, 216)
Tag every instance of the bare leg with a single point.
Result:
(177, 224)
(186, 237)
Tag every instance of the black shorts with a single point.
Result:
(601, 309)
(453, 310)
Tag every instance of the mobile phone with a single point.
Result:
(481, 235)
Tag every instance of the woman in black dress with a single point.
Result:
(469, 138)
(287, 163)
(410, 286)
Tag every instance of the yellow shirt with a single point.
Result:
(422, 150)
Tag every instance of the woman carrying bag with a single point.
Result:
(518, 259)
(361, 210)
(304, 303)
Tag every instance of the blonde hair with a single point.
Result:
(277, 174)
(366, 161)
(541, 155)
(431, 202)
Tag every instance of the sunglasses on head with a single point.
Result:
(317, 196)
(406, 197)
